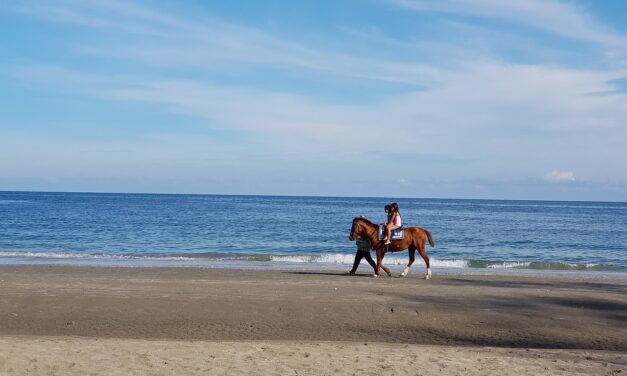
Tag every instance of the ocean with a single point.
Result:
(304, 232)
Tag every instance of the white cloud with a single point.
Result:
(552, 16)
(557, 176)
(490, 130)
(478, 117)
(168, 40)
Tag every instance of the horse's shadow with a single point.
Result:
(338, 274)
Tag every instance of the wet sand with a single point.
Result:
(271, 322)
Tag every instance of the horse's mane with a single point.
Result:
(364, 219)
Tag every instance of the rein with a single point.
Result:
(368, 231)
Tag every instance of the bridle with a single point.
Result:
(355, 228)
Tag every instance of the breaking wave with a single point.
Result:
(322, 259)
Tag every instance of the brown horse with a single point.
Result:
(414, 239)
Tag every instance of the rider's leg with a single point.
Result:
(390, 228)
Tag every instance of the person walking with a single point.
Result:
(363, 251)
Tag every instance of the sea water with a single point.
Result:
(303, 232)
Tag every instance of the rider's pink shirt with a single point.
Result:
(397, 219)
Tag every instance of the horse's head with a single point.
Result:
(356, 229)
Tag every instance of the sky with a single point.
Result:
(490, 99)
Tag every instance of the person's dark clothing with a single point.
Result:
(363, 251)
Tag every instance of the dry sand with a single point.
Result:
(144, 321)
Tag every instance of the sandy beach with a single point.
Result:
(99, 320)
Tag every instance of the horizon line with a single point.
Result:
(305, 196)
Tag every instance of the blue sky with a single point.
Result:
(520, 99)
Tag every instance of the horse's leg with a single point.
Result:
(374, 265)
(384, 251)
(412, 257)
(423, 253)
(386, 270)
(377, 272)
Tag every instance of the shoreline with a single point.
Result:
(417, 268)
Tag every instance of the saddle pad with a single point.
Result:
(396, 234)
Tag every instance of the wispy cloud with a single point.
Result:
(557, 17)
(557, 176)
(467, 114)
(168, 40)
(517, 109)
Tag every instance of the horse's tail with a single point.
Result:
(430, 238)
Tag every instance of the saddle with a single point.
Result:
(397, 234)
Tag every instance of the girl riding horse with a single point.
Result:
(394, 221)
(414, 239)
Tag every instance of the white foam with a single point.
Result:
(448, 263)
(60, 255)
(325, 258)
(509, 265)
(347, 259)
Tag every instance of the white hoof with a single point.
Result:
(405, 272)
(375, 276)
(428, 275)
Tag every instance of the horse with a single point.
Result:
(414, 239)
